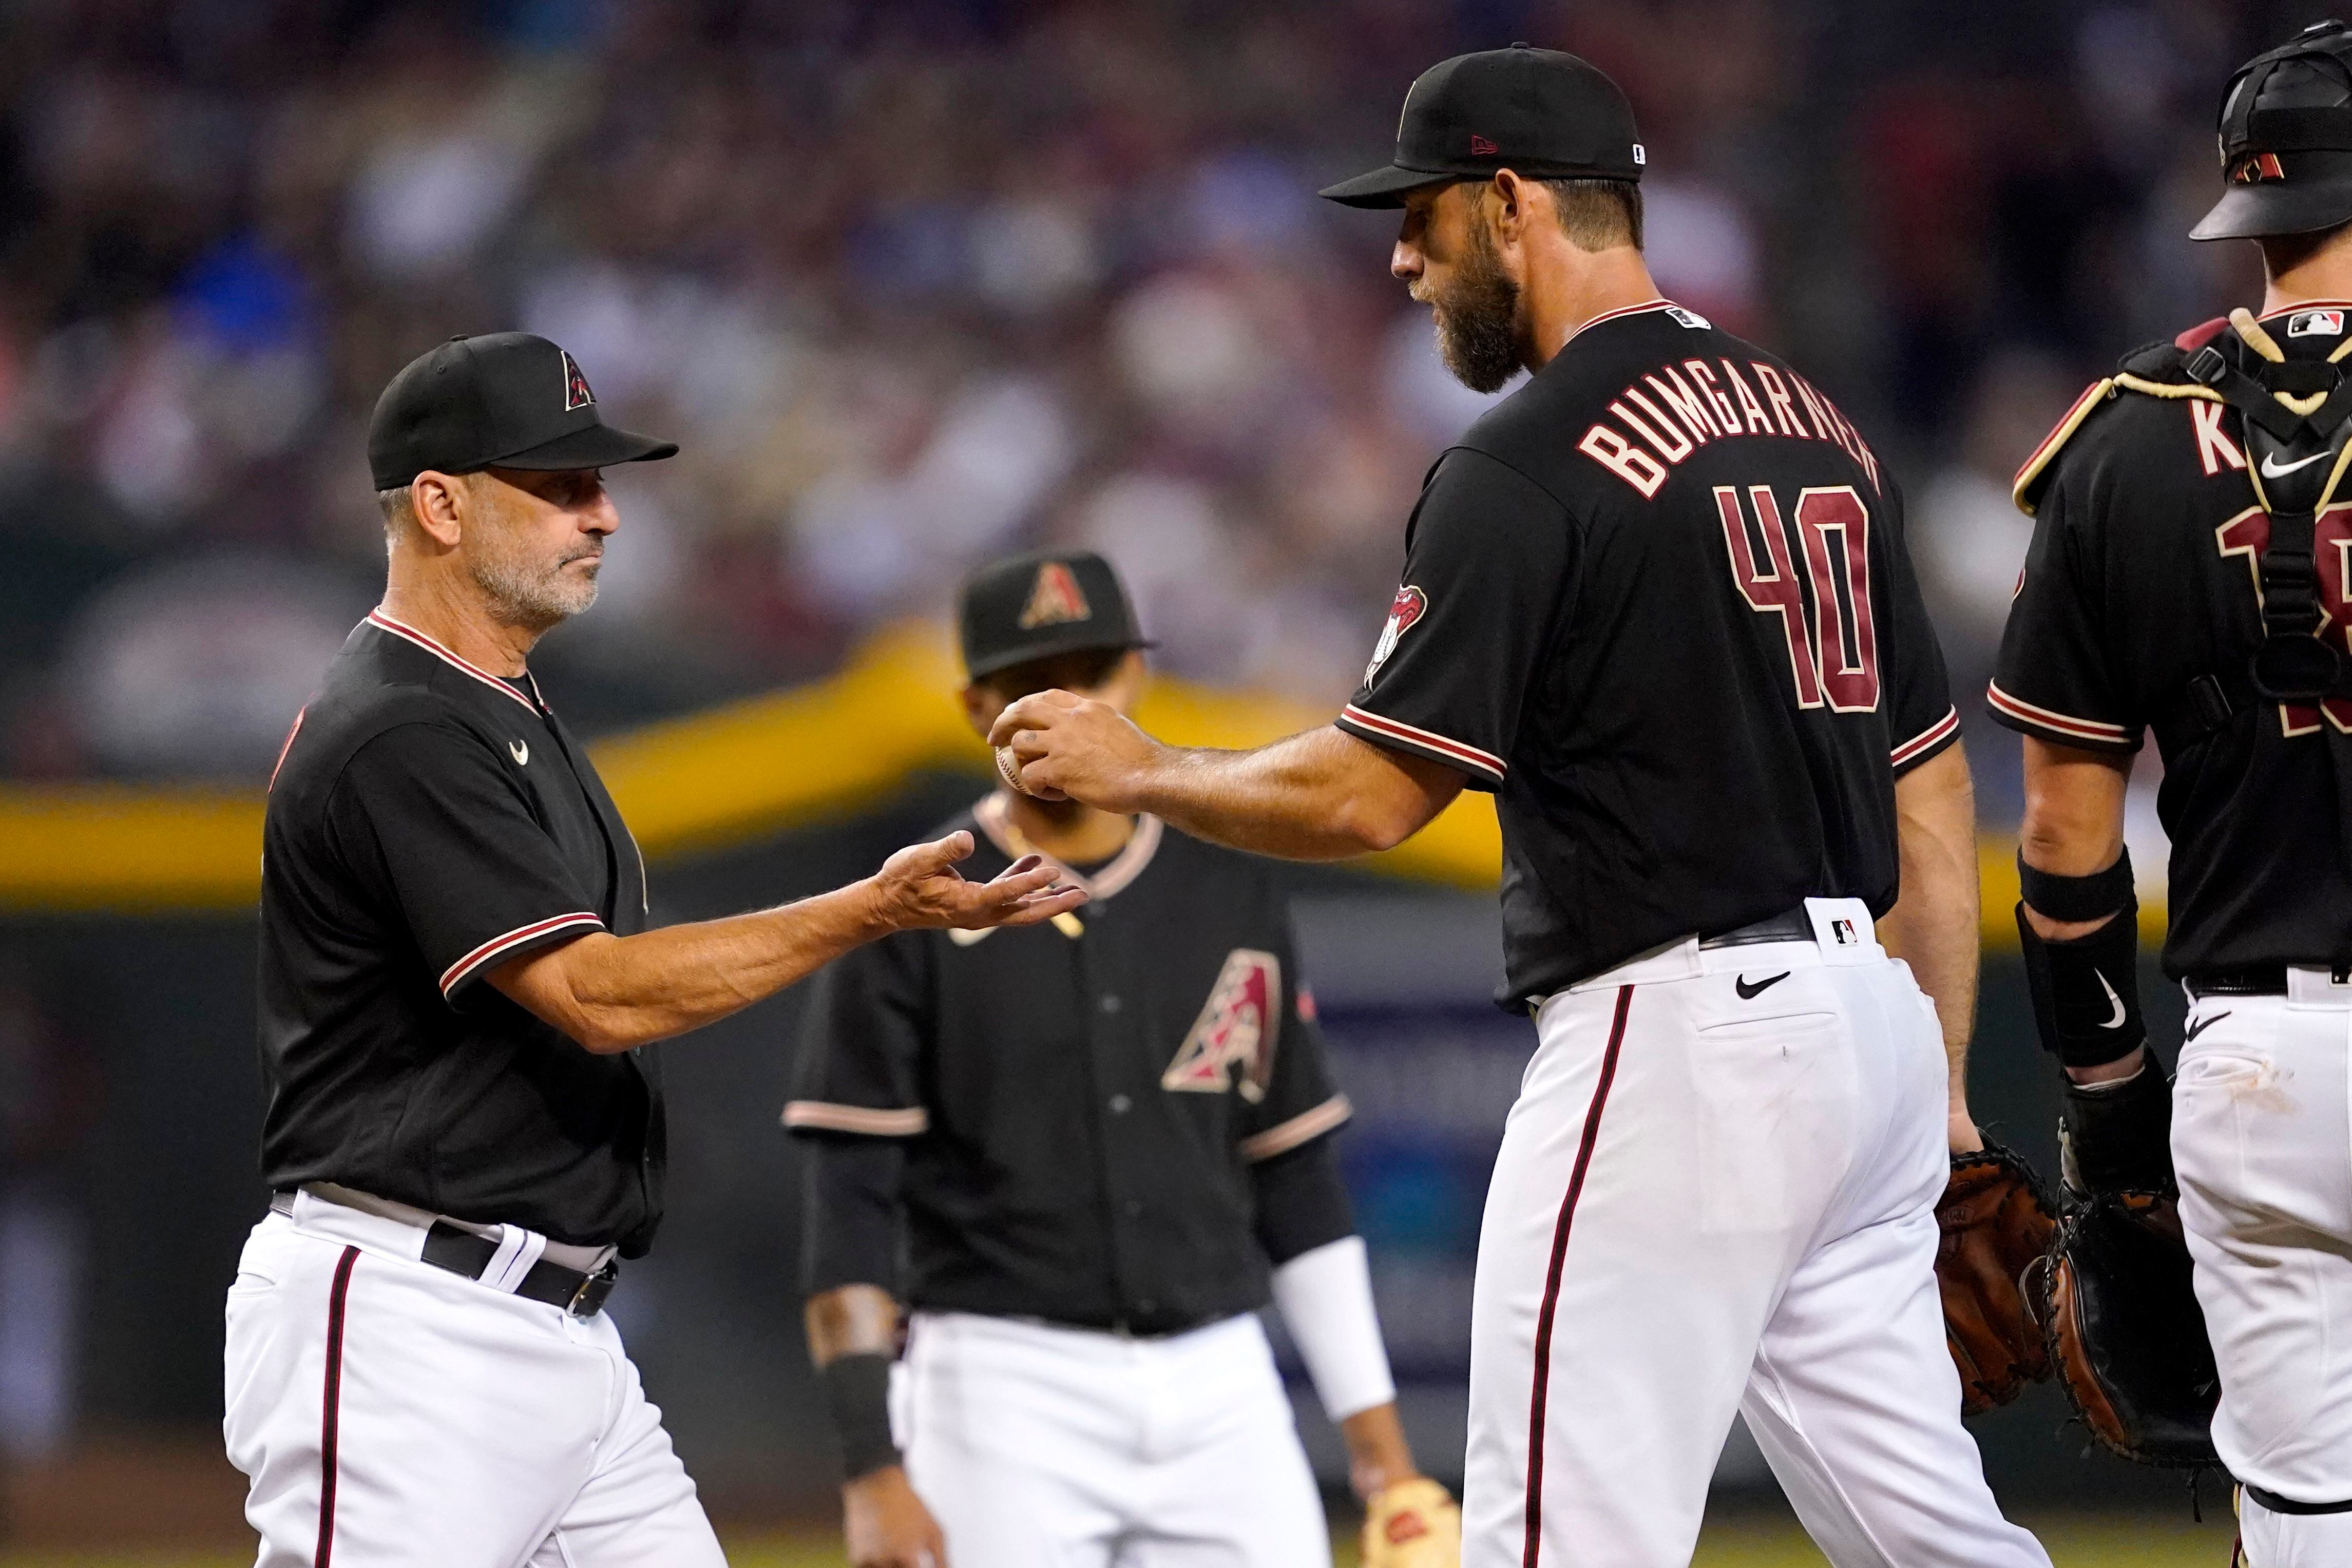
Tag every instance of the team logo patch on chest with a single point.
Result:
(1408, 605)
(1232, 1043)
(1056, 598)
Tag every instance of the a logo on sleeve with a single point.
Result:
(1056, 598)
(1232, 1043)
(575, 385)
(1408, 605)
(2315, 324)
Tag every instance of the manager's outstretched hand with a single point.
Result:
(920, 887)
(1067, 747)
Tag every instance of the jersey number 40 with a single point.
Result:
(1824, 615)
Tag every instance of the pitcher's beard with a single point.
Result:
(1479, 318)
(533, 599)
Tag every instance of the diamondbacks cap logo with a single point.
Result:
(1408, 605)
(1056, 598)
(2315, 324)
(2256, 169)
(1236, 1030)
(575, 385)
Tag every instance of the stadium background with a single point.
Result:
(914, 283)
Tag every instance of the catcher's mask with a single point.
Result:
(2287, 139)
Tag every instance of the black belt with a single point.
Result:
(1796, 925)
(2261, 980)
(2278, 1504)
(462, 1252)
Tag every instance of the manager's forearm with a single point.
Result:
(1935, 924)
(610, 993)
(1313, 796)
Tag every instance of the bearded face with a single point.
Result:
(1477, 313)
(533, 576)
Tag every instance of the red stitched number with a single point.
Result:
(1832, 639)
(2248, 534)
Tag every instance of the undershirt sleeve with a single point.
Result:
(850, 1215)
(1487, 555)
(1301, 1201)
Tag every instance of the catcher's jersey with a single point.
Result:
(1081, 1102)
(1658, 602)
(2140, 580)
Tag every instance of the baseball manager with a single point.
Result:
(462, 1130)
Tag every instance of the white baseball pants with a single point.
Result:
(387, 1411)
(1717, 1194)
(2262, 1136)
(1041, 1446)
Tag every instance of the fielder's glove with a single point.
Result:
(1412, 1524)
(1996, 1224)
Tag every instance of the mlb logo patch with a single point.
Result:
(1690, 319)
(1842, 931)
(2315, 324)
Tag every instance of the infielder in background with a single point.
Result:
(1658, 602)
(456, 978)
(2189, 576)
(1092, 1140)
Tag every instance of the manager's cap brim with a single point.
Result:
(592, 447)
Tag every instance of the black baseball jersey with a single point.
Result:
(428, 822)
(1081, 1104)
(2142, 579)
(1658, 602)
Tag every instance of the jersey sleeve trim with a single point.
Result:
(465, 968)
(1927, 741)
(2062, 728)
(826, 1117)
(1304, 1128)
(1396, 732)
(2023, 490)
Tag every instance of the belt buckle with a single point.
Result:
(589, 1299)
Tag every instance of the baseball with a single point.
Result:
(1009, 771)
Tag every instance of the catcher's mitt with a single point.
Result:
(1412, 1524)
(2125, 1333)
(1996, 1223)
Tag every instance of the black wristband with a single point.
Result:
(2119, 1136)
(858, 1396)
(2077, 898)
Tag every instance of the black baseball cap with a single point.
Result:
(511, 400)
(1042, 603)
(1537, 111)
(2287, 139)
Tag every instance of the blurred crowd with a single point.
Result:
(916, 282)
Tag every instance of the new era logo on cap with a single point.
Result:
(1480, 147)
(575, 385)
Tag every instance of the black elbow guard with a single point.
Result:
(2118, 1137)
(2086, 989)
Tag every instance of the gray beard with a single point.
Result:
(536, 600)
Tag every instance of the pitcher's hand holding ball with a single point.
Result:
(1058, 745)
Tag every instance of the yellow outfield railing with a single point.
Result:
(711, 780)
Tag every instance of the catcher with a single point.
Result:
(2187, 578)
(1104, 1144)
